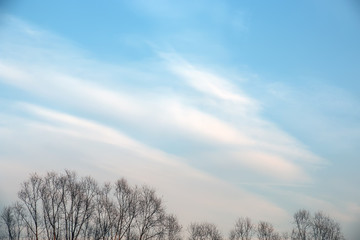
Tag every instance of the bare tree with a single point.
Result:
(285, 236)
(105, 214)
(126, 207)
(276, 236)
(325, 228)
(30, 195)
(243, 230)
(302, 222)
(77, 203)
(12, 217)
(19, 212)
(63, 206)
(265, 230)
(52, 194)
(204, 231)
(7, 217)
(150, 219)
(2, 230)
(172, 228)
(317, 227)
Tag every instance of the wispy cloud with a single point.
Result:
(123, 124)
(208, 83)
(170, 115)
(116, 154)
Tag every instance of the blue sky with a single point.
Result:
(228, 108)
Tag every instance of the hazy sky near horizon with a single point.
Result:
(227, 108)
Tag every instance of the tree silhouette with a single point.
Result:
(65, 206)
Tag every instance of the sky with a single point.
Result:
(226, 108)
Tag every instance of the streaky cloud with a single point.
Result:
(162, 130)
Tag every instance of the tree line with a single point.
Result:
(65, 206)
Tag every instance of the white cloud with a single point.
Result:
(123, 156)
(125, 128)
(172, 114)
(275, 166)
(205, 125)
(167, 115)
(210, 84)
